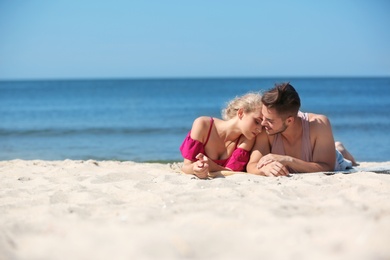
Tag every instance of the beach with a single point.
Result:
(92, 209)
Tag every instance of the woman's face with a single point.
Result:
(251, 123)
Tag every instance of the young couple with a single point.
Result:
(292, 141)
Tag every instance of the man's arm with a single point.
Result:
(260, 149)
(324, 151)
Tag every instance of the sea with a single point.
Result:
(146, 120)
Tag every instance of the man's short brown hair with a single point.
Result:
(283, 98)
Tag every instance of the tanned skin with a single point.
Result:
(262, 162)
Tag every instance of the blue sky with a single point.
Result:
(61, 39)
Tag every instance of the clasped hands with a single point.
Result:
(272, 165)
(201, 166)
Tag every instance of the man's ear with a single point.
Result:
(290, 120)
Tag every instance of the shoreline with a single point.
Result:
(120, 209)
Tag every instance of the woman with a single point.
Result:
(215, 145)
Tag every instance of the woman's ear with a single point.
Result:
(240, 113)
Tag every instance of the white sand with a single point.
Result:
(125, 210)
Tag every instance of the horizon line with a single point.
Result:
(188, 78)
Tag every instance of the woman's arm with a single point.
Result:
(199, 168)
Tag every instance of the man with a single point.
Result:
(294, 141)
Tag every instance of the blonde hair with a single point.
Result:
(249, 102)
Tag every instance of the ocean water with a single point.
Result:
(146, 120)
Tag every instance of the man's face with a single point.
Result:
(272, 122)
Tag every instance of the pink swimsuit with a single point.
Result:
(190, 148)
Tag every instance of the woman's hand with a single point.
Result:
(201, 166)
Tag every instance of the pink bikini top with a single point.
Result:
(190, 148)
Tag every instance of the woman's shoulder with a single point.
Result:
(200, 128)
(201, 122)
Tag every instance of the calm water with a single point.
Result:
(146, 120)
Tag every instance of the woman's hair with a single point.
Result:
(283, 98)
(249, 102)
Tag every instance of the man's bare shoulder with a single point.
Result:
(318, 119)
(264, 138)
(318, 123)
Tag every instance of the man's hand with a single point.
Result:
(266, 159)
(274, 168)
(201, 166)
